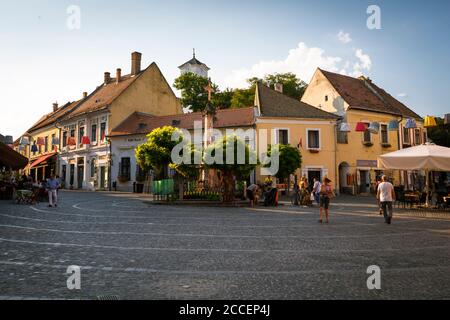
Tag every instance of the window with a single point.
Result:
(313, 139)
(64, 142)
(94, 133)
(102, 130)
(417, 136)
(406, 137)
(326, 98)
(342, 136)
(72, 133)
(282, 136)
(46, 144)
(80, 134)
(367, 137)
(384, 134)
(124, 168)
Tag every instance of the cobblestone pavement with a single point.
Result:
(134, 250)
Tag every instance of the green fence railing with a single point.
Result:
(163, 187)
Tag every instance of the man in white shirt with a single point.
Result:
(386, 195)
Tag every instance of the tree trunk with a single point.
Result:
(228, 186)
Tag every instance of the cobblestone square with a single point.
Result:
(131, 249)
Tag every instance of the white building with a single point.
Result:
(194, 66)
(133, 131)
(85, 157)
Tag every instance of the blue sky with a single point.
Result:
(43, 61)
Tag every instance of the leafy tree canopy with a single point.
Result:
(290, 160)
(440, 135)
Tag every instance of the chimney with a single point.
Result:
(85, 94)
(279, 87)
(107, 77)
(135, 63)
(55, 106)
(118, 75)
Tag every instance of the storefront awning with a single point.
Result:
(42, 159)
(11, 159)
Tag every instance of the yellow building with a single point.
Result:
(71, 140)
(284, 120)
(85, 159)
(359, 101)
(40, 144)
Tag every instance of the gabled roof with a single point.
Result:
(104, 95)
(143, 123)
(194, 61)
(52, 117)
(362, 93)
(275, 104)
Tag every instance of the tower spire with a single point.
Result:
(193, 52)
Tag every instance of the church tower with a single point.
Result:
(195, 66)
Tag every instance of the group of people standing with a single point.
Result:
(322, 192)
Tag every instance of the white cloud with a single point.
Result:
(344, 37)
(302, 61)
(364, 63)
(402, 95)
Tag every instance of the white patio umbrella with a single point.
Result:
(428, 157)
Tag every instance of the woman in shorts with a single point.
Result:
(326, 193)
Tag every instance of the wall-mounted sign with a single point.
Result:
(367, 163)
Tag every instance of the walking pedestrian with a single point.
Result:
(386, 195)
(326, 193)
(52, 187)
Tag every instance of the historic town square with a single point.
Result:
(229, 151)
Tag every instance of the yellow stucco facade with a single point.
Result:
(316, 162)
(149, 94)
(357, 152)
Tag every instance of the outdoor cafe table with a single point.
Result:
(412, 198)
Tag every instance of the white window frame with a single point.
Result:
(275, 133)
(410, 143)
(320, 138)
(370, 133)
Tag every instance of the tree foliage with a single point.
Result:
(292, 86)
(155, 153)
(440, 135)
(230, 169)
(290, 160)
(193, 94)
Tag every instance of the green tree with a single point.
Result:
(243, 98)
(290, 160)
(222, 99)
(440, 135)
(193, 94)
(230, 169)
(292, 86)
(155, 153)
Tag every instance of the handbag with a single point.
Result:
(312, 198)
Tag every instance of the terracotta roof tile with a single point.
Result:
(104, 95)
(142, 123)
(362, 93)
(52, 117)
(276, 104)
